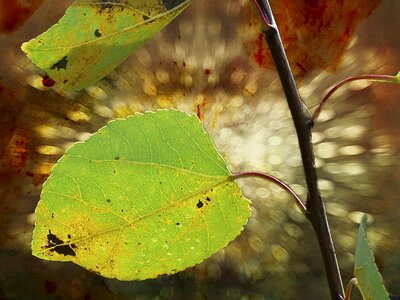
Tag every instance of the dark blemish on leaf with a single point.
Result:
(116, 158)
(69, 236)
(207, 71)
(115, 171)
(212, 190)
(170, 4)
(208, 199)
(62, 64)
(177, 224)
(57, 245)
(199, 204)
(108, 200)
(65, 81)
(139, 244)
(166, 241)
(160, 182)
(145, 17)
(50, 287)
(47, 81)
(52, 215)
(97, 33)
(105, 6)
(122, 210)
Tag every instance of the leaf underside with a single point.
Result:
(94, 37)
(144, 196)
(369, 279)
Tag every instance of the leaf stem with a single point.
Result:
(369, 77)
(315, 207)
(349, 288)
(278, 182)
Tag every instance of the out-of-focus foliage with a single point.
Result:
(13, 14)
(143, 197)
(198, 64)
(93, 38)
(315, 33)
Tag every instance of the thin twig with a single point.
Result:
(369, 77)
(277, 181)
(315, 207)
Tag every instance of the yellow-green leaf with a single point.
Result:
(93, 37)
(144, 196)
(369, 280)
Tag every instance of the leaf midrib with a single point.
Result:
(134, 221)
(111, 35)
(153, 164)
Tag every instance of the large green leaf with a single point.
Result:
(144, 196)
(369, 279)
(93, 37)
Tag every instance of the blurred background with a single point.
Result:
(208, 62)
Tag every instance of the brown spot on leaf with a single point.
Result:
(47, 81)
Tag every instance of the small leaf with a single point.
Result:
(144, 196)
(369, 279)
(94, 37)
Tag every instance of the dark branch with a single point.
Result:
(315, 207)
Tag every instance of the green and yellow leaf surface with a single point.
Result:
(144, 196)
(369, 280)
(94, 37)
